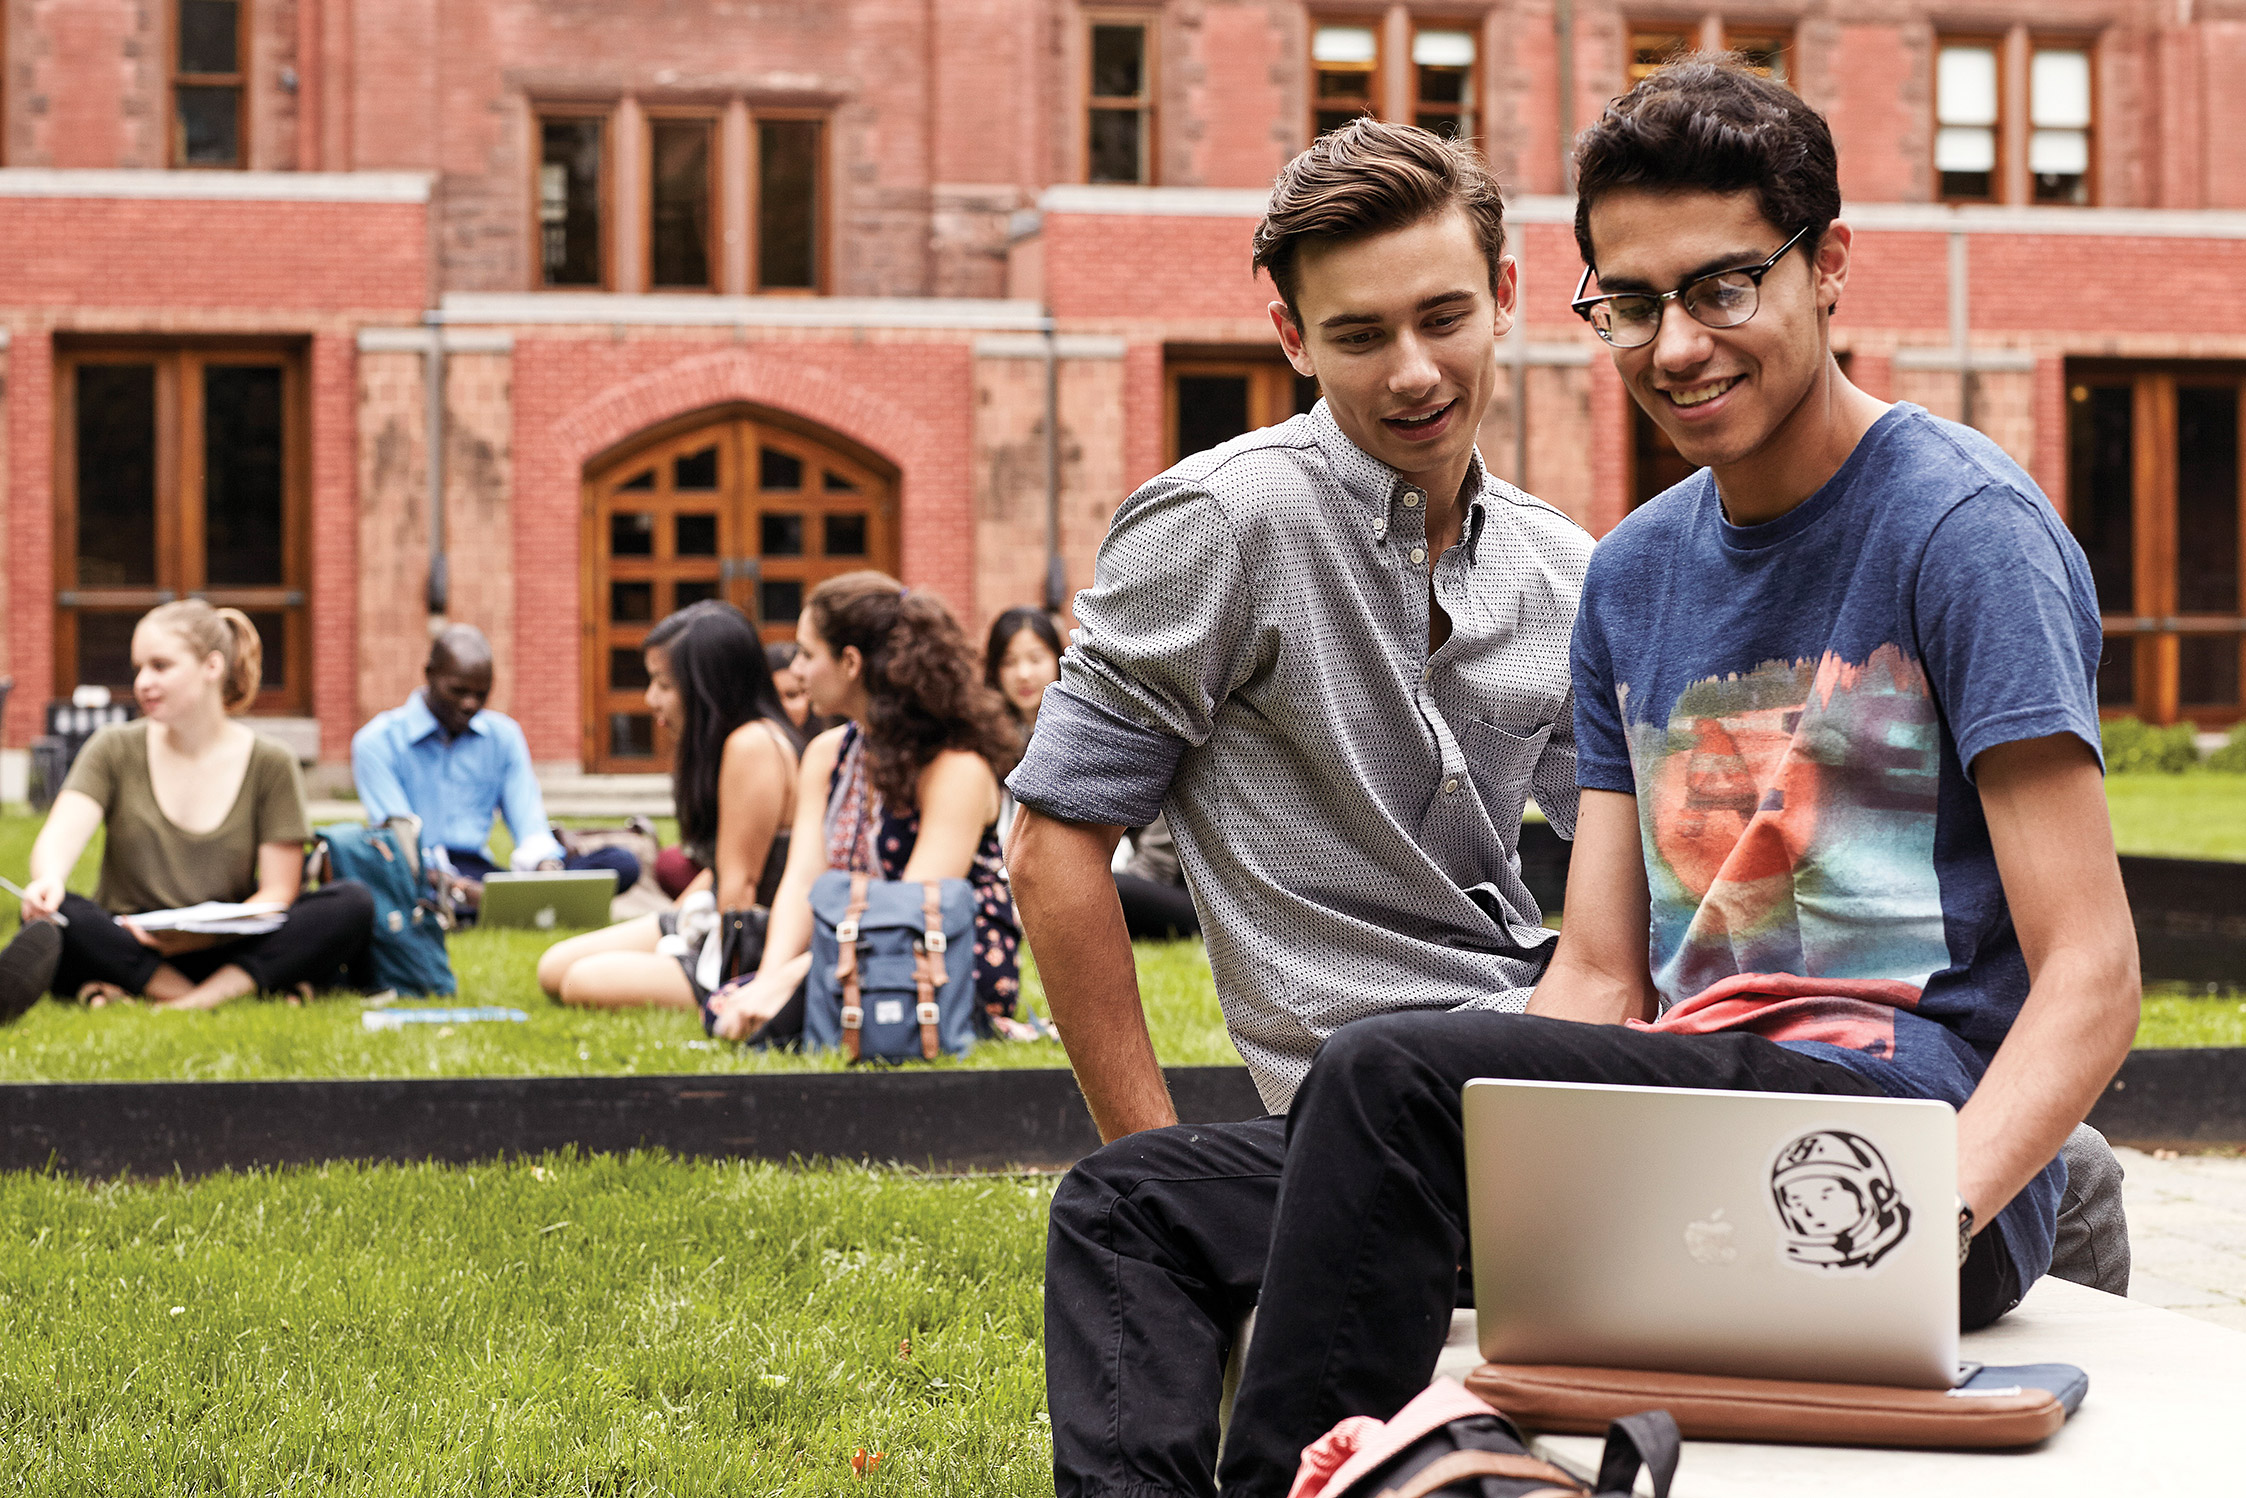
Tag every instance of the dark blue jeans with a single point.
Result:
(1344, 1225)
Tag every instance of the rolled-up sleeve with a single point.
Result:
(1162, 639)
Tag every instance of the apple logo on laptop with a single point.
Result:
(1710, 1242)
(544, 920)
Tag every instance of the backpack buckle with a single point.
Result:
(936, 942)
(925, 1013)
(847, 932)
(853, 1017)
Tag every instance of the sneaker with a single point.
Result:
(27, 966)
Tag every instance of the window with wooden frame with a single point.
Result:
(2061, 110)
(1345, 77)
(2156, 494)
(210, 43)
(1762, 48)
(1444, 81)
(1654, 44)
(180, 472)
(789, 198)
(1215, 399)
(1119, 99)
(1968, 119)
(681, 200)
(570, 198)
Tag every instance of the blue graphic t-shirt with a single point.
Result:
(1795, 706)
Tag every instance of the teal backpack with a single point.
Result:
(408, 949)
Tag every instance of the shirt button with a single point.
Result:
(1450, 785)
(1419, 555)
(1412, 497)
(1426, 674)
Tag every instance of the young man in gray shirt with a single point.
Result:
(1335, 652)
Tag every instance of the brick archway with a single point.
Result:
(908, 406)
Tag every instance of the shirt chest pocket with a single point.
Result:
(1500, 762)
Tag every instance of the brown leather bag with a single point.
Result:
(1998, 1407)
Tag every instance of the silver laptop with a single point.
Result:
(1762, 1235)
(575, 900)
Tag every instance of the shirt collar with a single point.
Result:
(420, 722)
(1376, 485)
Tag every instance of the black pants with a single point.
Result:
(324, 943)
(1161, 1242)
(1156, 912)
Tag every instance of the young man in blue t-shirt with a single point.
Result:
(1842, 824)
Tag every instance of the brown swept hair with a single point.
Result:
(224, 632)
(1369, 177)
(923, 684)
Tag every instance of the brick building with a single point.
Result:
(717, 297)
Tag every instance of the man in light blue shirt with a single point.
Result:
(443, 757)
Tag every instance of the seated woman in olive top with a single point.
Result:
(197, 807)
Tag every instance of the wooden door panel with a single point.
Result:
(750, 512)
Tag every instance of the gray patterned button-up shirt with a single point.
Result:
(1252, 658)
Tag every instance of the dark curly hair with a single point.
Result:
(925, 693)
(1711, 125)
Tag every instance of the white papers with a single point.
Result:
(216, 918)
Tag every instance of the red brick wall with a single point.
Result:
(2014, 280)
(1157, 266)
(1237, 124)
(164, 256)
(1874, 83)
(30, 530)
(1902, 282)
(335, 549)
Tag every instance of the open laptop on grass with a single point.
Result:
(571, 900)
(1761, 1235)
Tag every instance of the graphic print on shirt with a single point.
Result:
(1788, 818)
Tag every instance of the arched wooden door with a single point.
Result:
(743, 508)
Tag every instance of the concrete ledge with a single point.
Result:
(217, 186)
(948, 1120)
(2163, 1389)
(945, 1120)
(2176, 1099)
(657, 309)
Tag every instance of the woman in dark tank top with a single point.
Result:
(733, 779)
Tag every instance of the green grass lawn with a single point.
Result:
(2179, 816)
(615, 1326)
(2191, 815)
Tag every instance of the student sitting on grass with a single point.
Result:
(734, 782)
(196, 807)
(906, 789)
(447, 759)
(1021, 659)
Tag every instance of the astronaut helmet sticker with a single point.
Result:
(1836, 1201)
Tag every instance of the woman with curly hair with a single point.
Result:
(907, 788)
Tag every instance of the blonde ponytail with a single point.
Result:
(225, 632)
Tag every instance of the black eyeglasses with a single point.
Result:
(1630, 319)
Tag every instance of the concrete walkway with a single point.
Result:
(2187, 1234)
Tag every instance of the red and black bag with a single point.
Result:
(1449, 1442)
